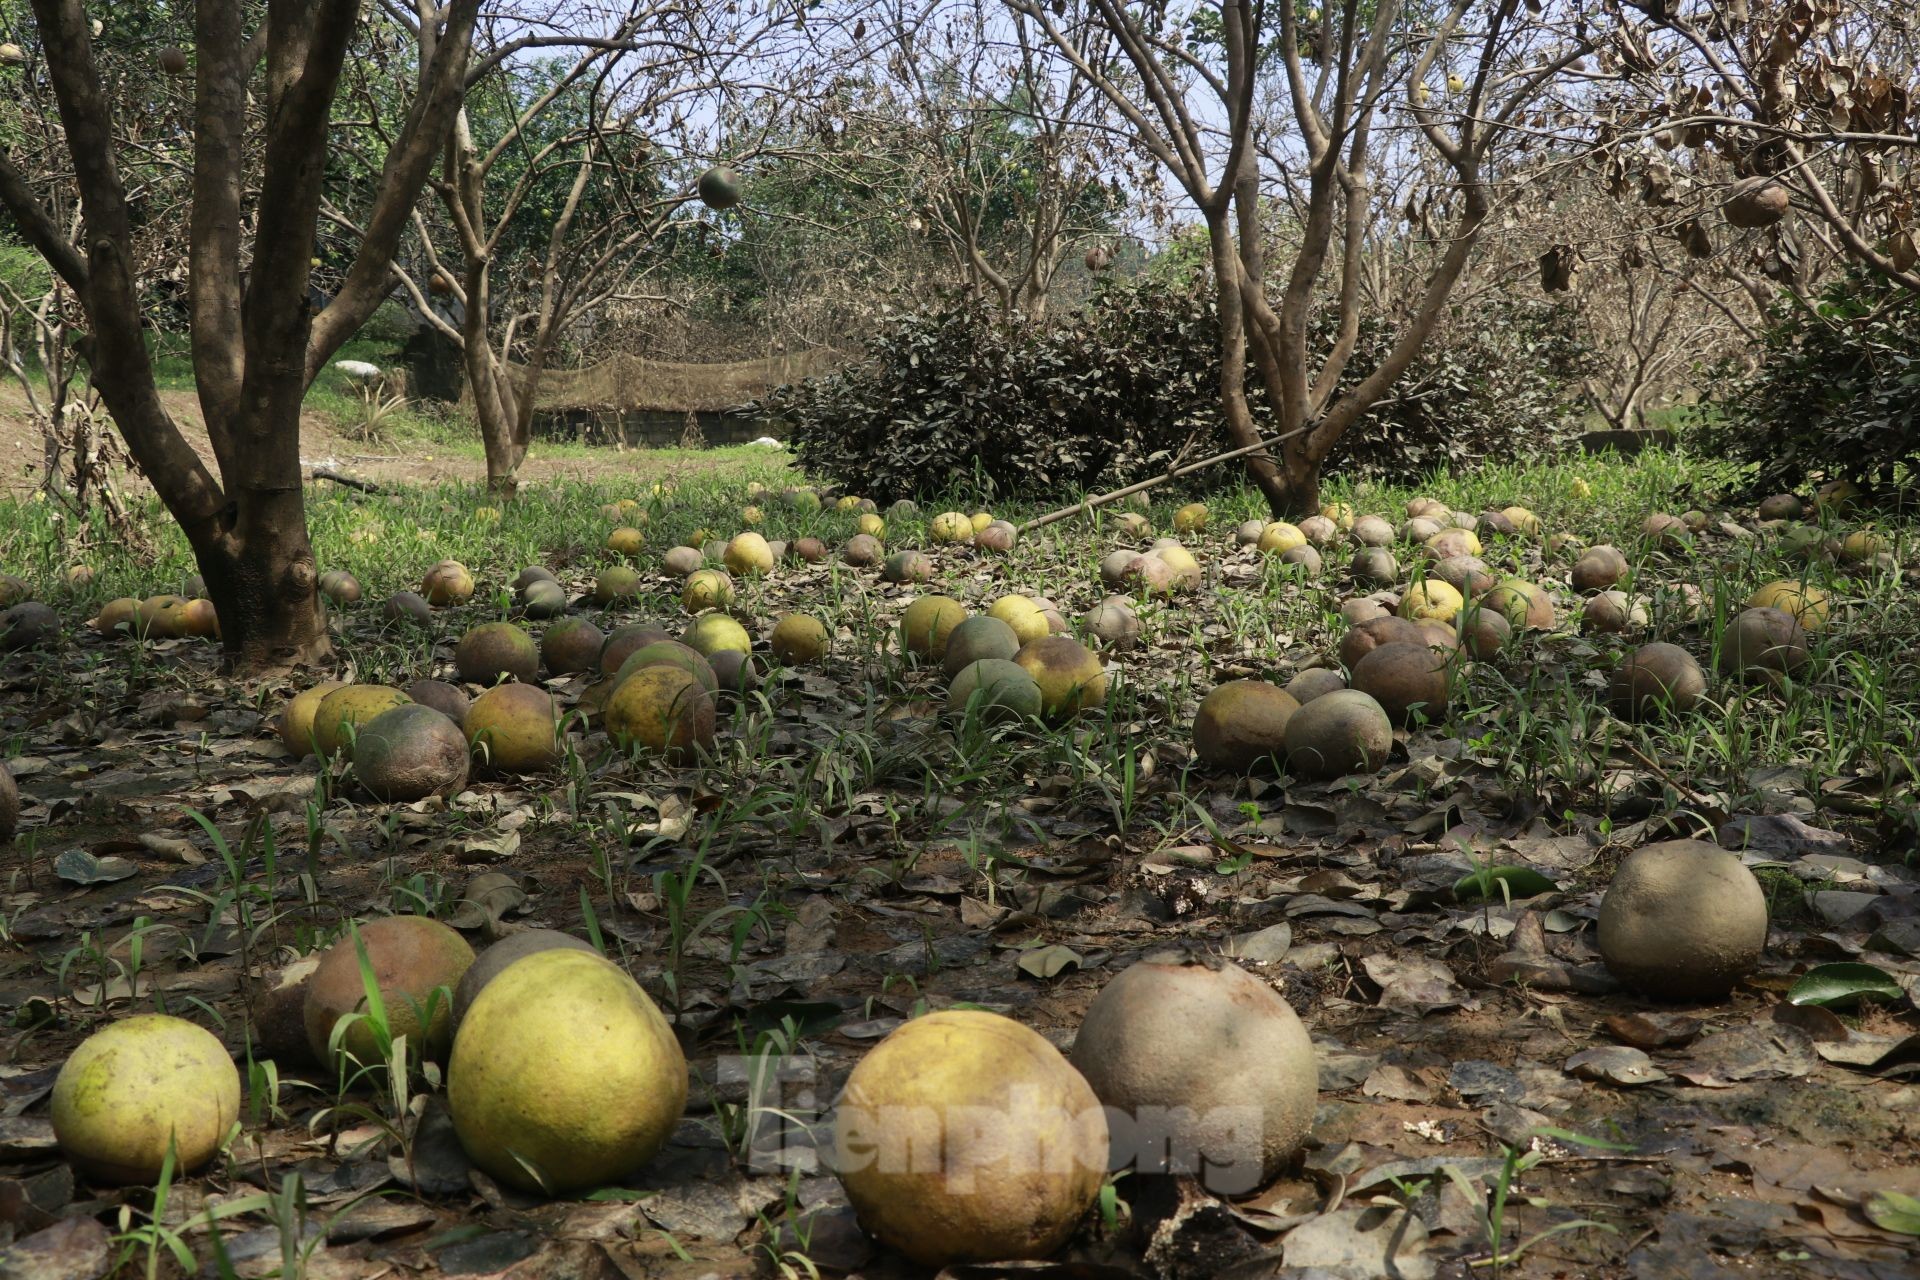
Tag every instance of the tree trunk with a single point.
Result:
(1301, 474)
(261, 576)
(495, 403)
(503, 436)
(1280, 488)
(503, 453)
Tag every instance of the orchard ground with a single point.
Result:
(847, 857)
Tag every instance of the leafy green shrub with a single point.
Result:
(1835, 393)
(1129, 384)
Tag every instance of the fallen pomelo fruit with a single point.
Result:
(712, 632)
(982, 636)
(412, 958)
(1338, 733)
(663, 708)
(1242, 724)
(1029, 623)
(1072, 678)
(514, 728)
(1209, 1063)
(1431, 598)
(1682, 920)
(748, 554)
(447, 583)
(707, 589)
(296, 722)
(997, 689)
(951, 527)
(410, 753)
(133, 1087)
(1658, 679)
(1405, 679)
(564, 1075)
(798, 639)
(927, 623)
(1763, 644)
(965, 1137)
(495, 651)
(571, 645)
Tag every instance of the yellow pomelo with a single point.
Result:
(1522, 520)
(564, 1074)
(1280, 537)
(1807, 604)
(447, 583)
(163, 617)
(1028, 620)
(927, 623)
(123, 612)
(1431, 598)
(749, 553)
(347, 707)
(1863, 545)
(951, 527)
(296, 722)
(663, 708)
(1186, 570)
(707, 589)
(1071, 676)
(798, 639)
(712, 632)
(199, 618)
(514, 729)
(132, 1087)
(966, 1137)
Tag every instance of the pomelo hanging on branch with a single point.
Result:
(719, 188)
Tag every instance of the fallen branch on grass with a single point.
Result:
(327, 473)
(1173, 473)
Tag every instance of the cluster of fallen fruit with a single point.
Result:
(962, 1136)
(1026, 1136)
